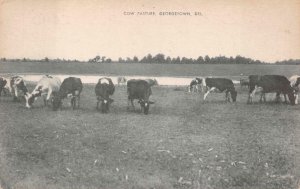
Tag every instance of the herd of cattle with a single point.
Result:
(54, 91)
(263, 83)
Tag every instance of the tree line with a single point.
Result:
(162, 59)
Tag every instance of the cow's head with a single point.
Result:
(56, 101)
(292, 97)
(233, 95)
(105, 103)
(145, 104)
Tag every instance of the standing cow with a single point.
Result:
(71, 86)
(221, 84)
(270, 84)
(45, 87)
(140, 90)
(104, 88)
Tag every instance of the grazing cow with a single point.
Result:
(294, 82)
(141, 90)
(104, 88)
(270, 84)
(45, 87)
(222, 84)
(121, 80)
(16, 83)
(244, 82)
(71, 86)
(194, 85)
(3, 83)
(151, 82)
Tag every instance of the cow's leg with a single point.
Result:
(285, 99)
(78, 101)
(45, 101)
(227, 96)
(296, 98)
(73, 102)
(211, 89)
(128, 103)
(262, 97)
(98, 101)
(277, 98)
(251, 94)
(15, 94)
(132, 104)
(47, 97)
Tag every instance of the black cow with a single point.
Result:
(270, 84)
(104, 88)
(71, 86)
(3, 82)
(141, 90)
(222, 84)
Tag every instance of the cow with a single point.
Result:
(104, 88)
(45, 87)
(294, 82)
(3, 83)
(16, 83)
(244, 82)
(221, 84)
(140, 90)
(270, 84)
(121, 80)
(194, 85)
(72, 87)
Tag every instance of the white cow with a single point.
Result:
(293, 81)
(45, 87)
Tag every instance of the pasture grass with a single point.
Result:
(145, 69)
(184, 142)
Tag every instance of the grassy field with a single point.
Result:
(184, 142)
(147, 69)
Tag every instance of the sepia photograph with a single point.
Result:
(140, 94)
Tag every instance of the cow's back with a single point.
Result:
(138, 89)
(271, 83)
(71, 84)
(102, 89)
(219, 83)
(49, 82)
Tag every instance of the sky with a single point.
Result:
(267, 30)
